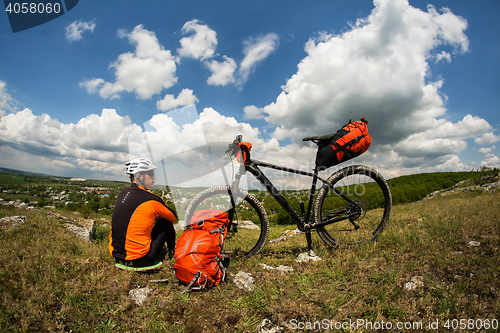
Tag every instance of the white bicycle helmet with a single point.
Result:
(139, 165)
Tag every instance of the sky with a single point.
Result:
(176, 81)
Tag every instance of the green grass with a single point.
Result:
(50, 280)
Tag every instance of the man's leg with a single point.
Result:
(163, 231)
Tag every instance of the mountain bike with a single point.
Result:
(350, 207)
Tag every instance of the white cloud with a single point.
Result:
(450, 28)
(487, 139)
(98, 145)
(92, 86)
(92, 142)
(150, 68)
(222, 72)
(378, 69)
(218, 127)
(487, 150)
(191, 150)
(75, 31)
(256, 50)
(469, 127)
(202, 42)
(170, 102)
(146, 71)
(491, 160)
(443, 56)
(5, 98)
(252, 112)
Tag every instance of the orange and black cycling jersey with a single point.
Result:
(134, 216)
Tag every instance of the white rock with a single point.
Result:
(281, 268)
(180, 226)
(267, 327)
(82, 228)
(139, 295)
(248, 225)
(473, 244)
(307, 256)
(14, 221)
(244, 281)
(414, 283)
(285, 235)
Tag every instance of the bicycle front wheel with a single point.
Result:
(249, 227)
(360, 220)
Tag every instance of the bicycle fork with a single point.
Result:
(304, 222)
(303, 226)
(231, 190)
(306, 216)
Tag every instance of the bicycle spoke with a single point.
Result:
(248, 232)
(364, 218)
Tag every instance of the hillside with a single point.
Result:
(438, 261)
(411, 188)
(95, 198)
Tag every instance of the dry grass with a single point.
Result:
(51, 280)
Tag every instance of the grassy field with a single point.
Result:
(53, 281)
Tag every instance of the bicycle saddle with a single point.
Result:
(326, 137)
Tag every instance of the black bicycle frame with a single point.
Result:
(303, 223)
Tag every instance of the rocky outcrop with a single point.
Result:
(466, 186)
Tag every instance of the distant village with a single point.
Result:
(72, 194)
(90, 197)
(51, 197)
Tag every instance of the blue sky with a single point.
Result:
(79, 94)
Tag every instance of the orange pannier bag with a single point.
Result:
(198, 258)
(348, 142)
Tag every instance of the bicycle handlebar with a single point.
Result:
(234, 147)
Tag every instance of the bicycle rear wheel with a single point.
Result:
(249, 227)
(369, 213)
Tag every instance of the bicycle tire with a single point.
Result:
(369, 190)
(240, 240)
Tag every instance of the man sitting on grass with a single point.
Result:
(141, 222)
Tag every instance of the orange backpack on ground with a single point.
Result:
(350, 141)
(198, 258)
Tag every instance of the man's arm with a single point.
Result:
(164, 211)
